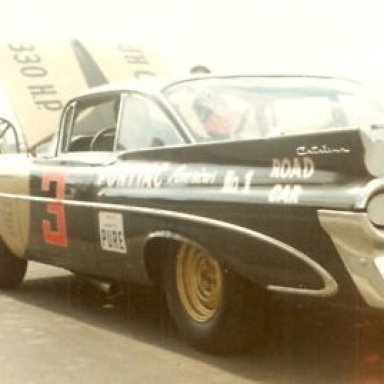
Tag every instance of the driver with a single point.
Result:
(221, 116)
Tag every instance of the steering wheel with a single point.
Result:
(98, 135)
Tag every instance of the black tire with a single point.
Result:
(214, 309)
(12, 269)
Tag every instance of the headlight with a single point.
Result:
(376, 210)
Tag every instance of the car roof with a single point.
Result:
(148, 84)
(154, 85)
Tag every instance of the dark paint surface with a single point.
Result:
(189, 190)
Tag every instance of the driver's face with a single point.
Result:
(221, 122)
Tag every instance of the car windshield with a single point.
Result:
(253, 107)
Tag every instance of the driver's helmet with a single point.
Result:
(220, 115)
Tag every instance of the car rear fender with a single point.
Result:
(161, 243)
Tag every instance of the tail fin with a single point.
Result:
(93, 75)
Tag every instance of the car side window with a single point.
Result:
(143, 124)
(94, 124)
(285, 116)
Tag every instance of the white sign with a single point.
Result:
(111, 229)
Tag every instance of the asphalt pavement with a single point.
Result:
(57, 328)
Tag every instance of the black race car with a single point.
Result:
(222, 190)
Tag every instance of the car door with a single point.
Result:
(75, 225)
(62, 186)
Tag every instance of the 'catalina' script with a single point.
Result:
(320, 150)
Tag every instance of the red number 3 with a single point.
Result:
(56, 236)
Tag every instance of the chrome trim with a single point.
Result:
(330, 287)
(373, 153)
(166, 234)
(369, 190)
(358, 243)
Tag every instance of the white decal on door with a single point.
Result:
(111, 229)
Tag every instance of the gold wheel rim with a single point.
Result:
(199, 283)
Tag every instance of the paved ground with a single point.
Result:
(57, 329)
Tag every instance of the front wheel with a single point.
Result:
(12, 269)
(213, 308)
